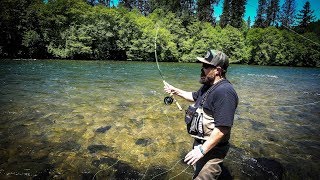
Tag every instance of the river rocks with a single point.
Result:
(69, 146)
(105, 160)
(123, 105)
(252, 167)
(18, 132)
(272, 137)
(88, 176)
(79, 116)
(99, 147)
(256, 147)
(144, 141)
(28, 167)
(137, 122)
(123, 170)
(156, 173)
(44, 173)
(103, 129)
(264, 168)
(257, 125)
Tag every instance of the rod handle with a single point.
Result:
(179, 107)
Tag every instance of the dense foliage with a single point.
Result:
(73, 29)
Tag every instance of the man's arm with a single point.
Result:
(217, 134)
(173, 90)
(199, 151)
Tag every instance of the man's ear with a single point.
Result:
(219, 71)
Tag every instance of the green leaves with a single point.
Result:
(271, 46)
(73, 29)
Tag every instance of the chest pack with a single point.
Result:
(196, 118)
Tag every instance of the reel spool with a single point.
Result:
(168, 100)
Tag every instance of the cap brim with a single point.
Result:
(203, 60)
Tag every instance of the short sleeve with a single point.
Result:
(223, 103)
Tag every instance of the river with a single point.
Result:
(64, 119)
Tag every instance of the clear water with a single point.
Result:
(107, 120)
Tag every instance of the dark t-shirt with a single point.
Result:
(221, 103)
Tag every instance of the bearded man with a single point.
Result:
(209, 120)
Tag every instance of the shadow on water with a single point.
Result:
(237, 164)
(121, 170)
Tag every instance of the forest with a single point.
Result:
(99, 30)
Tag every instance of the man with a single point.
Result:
(215, 103)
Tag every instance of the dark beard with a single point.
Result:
(205, 79)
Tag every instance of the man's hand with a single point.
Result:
(193, 156)
(169, 88)
(173, 90)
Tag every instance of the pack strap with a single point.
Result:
(213, 87)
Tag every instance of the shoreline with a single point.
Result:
(106, 60)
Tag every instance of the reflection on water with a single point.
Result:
(102, 120)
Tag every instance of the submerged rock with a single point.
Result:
(144, 141)
(252, 168)
(157, 173)
(99, 147)
(256, 148)
(79, 116)
(123, 105)
(103, 129)
(69, 146)
(263, 168)
(257, 125)
(137, 122)
(105, 160)
(44, 173)
(272, 137)
(123, 170)
(25, 169)
(87, 176)
(18, 132)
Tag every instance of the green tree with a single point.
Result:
(13, 24)
(61, 20)
(249, 22)
(271, 46)
(201, 37)
(105, 33)
(77, 43)
(287, 15)
(307, 50)
(33, 39)
(305, 16)
(205, 10)
(260, 20)
(226, 13)
(142, 47)
(237, 12)
(233, 44)
(129, 4)
(272, 12)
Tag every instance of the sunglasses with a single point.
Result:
(206, 66)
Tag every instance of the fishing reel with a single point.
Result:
(168, 100)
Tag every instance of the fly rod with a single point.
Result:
(169, 99)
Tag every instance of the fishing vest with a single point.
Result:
(200, 124)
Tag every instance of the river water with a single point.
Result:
(107, 120)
